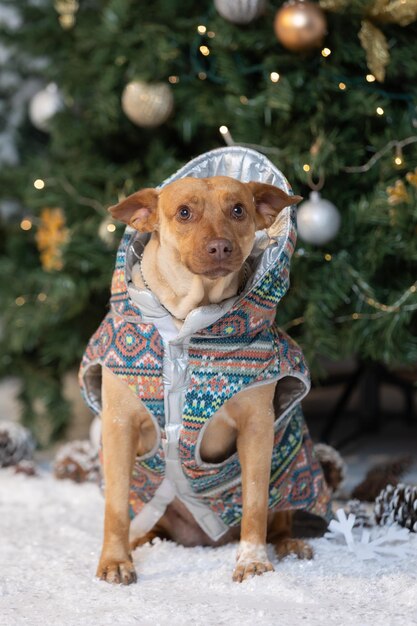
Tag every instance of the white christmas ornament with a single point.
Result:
(318, 220)
(240, 11)
(147, 105)
(44, 105)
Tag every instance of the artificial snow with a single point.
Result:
(50, 540)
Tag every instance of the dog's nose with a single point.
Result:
(219, 249)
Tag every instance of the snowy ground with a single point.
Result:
(50, 536)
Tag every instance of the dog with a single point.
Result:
(201, 232)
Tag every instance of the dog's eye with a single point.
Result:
(238, 211)
(184, 213)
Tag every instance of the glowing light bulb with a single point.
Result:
(39, 183)
(25, 224)
(111, 228)
(326, 52)
(201, 29)
(174, 79)
(342, 86)
(224, 130)
(274, 76)
(380, 111)
(370, 78)
(306, 167)
(204, 51)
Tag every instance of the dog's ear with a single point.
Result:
(269, 201)
(140, 210)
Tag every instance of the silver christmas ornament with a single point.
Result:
(240, 11)
(318, 220)
(146, 104)
(44, 105)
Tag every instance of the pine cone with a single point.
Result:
(397, 504)
(26, 467)
(359, 510)
(16, 444)
(379, 477)
(78, 461)
(333, 465)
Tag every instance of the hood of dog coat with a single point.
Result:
(268, 262)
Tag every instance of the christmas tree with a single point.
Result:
(104, 97)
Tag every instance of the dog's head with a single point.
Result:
(209, 223)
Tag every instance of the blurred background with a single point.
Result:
(101, 98)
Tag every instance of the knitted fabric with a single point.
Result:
(242, 348)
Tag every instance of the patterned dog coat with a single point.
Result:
(184, 377)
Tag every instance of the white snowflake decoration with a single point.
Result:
(381, 542)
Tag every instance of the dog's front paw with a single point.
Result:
(299, 547)
(116, 572)
(252, 560)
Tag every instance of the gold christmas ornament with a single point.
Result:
(397, 193)
(373, 40)
(147, 105)
(412, 177)
(240, 11)
(300, 25)
(67, 10)
(51, 236)
(374, 43)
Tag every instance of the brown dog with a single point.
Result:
(203, 231)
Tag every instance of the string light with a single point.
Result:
(398, 159)
(202, 75)
(228, 139)
(111, 227)
(201, 29)
(326, 52)
(42, 297)
(204, 50)
(370, 78)
(380, 111)
(243, 99)
(174, 79)
(39, 183)
(351, 169)
(274, 76)
(342, 86)
(25, 224)
(83, 200)
(211, 34)
(392, 144)
(20, 301)
(364, 292)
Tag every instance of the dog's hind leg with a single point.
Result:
(279, 534)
